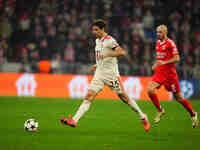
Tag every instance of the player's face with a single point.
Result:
(160, 33)
(97, 31)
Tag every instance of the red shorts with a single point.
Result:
(168, 79)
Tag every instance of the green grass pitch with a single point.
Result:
(108, 125)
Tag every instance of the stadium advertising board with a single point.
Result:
(71, 86)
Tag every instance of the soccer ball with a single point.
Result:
(31, 125)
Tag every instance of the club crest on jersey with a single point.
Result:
(163, 47)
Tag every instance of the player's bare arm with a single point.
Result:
(155, 64)
(174, 59)
(93, 68)
(118, 52)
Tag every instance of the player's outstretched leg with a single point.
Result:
(146, 123)
(137, 109)
(195, 121)
(68, 121)
(186, 104)
(151, 92)
(84, 107)
(159, 115)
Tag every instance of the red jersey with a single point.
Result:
(164, 51)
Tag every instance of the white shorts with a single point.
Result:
(114, 82)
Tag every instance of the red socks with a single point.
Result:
(185, 104)
(188, 106)
(156, 102)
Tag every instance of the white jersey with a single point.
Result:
(109, 65)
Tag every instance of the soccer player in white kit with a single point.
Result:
(107, 50)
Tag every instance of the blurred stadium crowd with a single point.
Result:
(59, 32)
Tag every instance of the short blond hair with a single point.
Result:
(163, 27)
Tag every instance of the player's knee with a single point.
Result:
(179, 97)
(90, 95)
(86, 102)
(150, 90)
(124, 97)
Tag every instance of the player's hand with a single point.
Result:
(93, 68)
(102, 56)
(154, 66)
(160, 62)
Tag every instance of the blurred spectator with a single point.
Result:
(24, 22)
(188, 71)
(56, 64)
(34, 60)
(2, 60)
(148, 21)
(138, 28)
(146, 67)
(22, 68)
(44, 50)
(5, 26)
(62, 30)
(69, 53)
(196, 70)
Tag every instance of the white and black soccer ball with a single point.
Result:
(31, 125)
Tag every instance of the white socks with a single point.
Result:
(135, 107)
(82, 109)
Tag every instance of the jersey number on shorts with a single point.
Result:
(114, 84)
(173, 87)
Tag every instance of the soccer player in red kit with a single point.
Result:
(165, 74)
